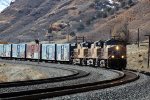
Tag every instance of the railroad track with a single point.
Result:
(76, 74)
(128, 76)
(54, 91)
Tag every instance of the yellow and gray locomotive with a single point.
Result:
(81, 53)
(111, 54)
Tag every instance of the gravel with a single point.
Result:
(138, 90)
(96, 74)
(21, 72)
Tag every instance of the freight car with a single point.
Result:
(48, 52)
(33, 51)
(6, 51)
(64, 52)
(110, 53)
(19, 51)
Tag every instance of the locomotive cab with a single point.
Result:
(96, 49)
(96, 53)
(116, 53)
(81, 53)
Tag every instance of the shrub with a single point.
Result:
(123, 4)
(80, 27)
(72, 34)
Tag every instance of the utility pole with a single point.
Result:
(80, 38)
(76, 40)
(148, 51)
(138, 39)
(110, 33)
(68, 37)
(83, 38)
(50, 37)
(38, 42)
(68, 31)
(128, 37)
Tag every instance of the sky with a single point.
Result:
(4, 4)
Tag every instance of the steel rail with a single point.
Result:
(66, 90)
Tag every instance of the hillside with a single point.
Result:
(27, 20)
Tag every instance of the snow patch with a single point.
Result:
(111, 2)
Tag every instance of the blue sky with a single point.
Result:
(4, 4)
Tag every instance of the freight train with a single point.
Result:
(109, 54)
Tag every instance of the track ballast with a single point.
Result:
(70, 89)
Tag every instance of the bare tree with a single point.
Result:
(121, 30)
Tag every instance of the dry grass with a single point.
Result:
(12, 72)
(137, 57)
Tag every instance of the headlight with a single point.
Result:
(112, 56)
(117, 48)
(122, 57)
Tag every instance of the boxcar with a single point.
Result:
(64, 52)
(1, 50)
(6, 51)
(33, 51)
(48, 52)
(19, 51)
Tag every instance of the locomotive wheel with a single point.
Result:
(83, 62)
(94, 63)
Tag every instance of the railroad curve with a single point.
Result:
(75, 84)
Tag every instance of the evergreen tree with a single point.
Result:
(130, 2)
(123, 4)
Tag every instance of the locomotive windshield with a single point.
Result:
(115, 42)
(86, 44)
(99, 44)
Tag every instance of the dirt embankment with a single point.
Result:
(137, 58)
(11, 73)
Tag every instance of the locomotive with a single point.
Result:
(109, 54)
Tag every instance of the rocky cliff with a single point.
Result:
(27, 20)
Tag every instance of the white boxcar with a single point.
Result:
(63, 52)
(1, 50)
(48, 52)
(7, 48)
(19, 50)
